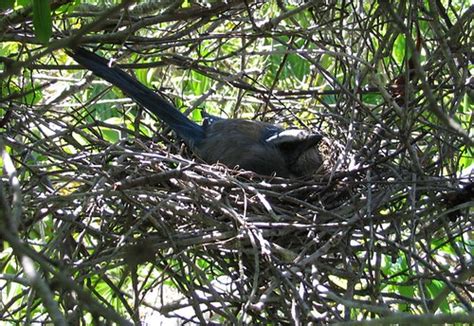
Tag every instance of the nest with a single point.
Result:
(234, 244)
(137, 228)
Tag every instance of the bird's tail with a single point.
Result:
(190, 131)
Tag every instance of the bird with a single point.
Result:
(264, 148)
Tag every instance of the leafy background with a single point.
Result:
(105, 217)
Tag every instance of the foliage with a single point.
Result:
(102, 212)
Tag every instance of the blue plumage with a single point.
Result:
(257, 146)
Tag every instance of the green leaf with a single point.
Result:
(33, 97)
(399, 50)
(199, 83)
(144, 76)
(29, 98)
(372, 98)
(42, 20)
(112, 135)
(196, 115)
(434, 288)
(6, 4)
(304, 19)
(407, 291)
(297, 66)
